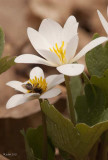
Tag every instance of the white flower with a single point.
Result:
(36, 87)
(58, 46)
(103, 20)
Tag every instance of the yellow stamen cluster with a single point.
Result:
(60, 52)
(39, 84)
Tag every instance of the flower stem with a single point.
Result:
(70, 101)
(45, 144)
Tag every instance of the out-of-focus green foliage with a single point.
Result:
(5, 62)
(2, 41)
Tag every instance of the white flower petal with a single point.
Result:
(51, 30)
(20, 99)
(71, 48)
(70, 28)
(71, 69)
(51, 93)
(30, 58)
(54, 80)
(89, 46)
(17, 86)
(51, 57)
(103, 21)
(37, 40)
(36, 71)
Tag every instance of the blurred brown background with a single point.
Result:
(15, 17)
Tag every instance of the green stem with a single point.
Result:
(70, 101)
(87, 81)
(45, 143)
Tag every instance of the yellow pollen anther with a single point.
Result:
(60, 52)
(38, 85)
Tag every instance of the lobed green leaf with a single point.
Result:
(102, 83)
(97, 59)
(91, 108)
(29, 151)
(77, 140)
(35, 141)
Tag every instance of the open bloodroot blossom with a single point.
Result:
(37, 87)
(58, 46)
(103, 20)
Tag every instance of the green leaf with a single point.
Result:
(76, 141)
(29, 151)
(90, 107)
(35, 141)
(2, 41)
(102, 83)
(6, 63)
(97, 60)
(76, 87)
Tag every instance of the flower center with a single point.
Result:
(60, 52)
(36, 85)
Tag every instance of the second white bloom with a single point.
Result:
(37, 87)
